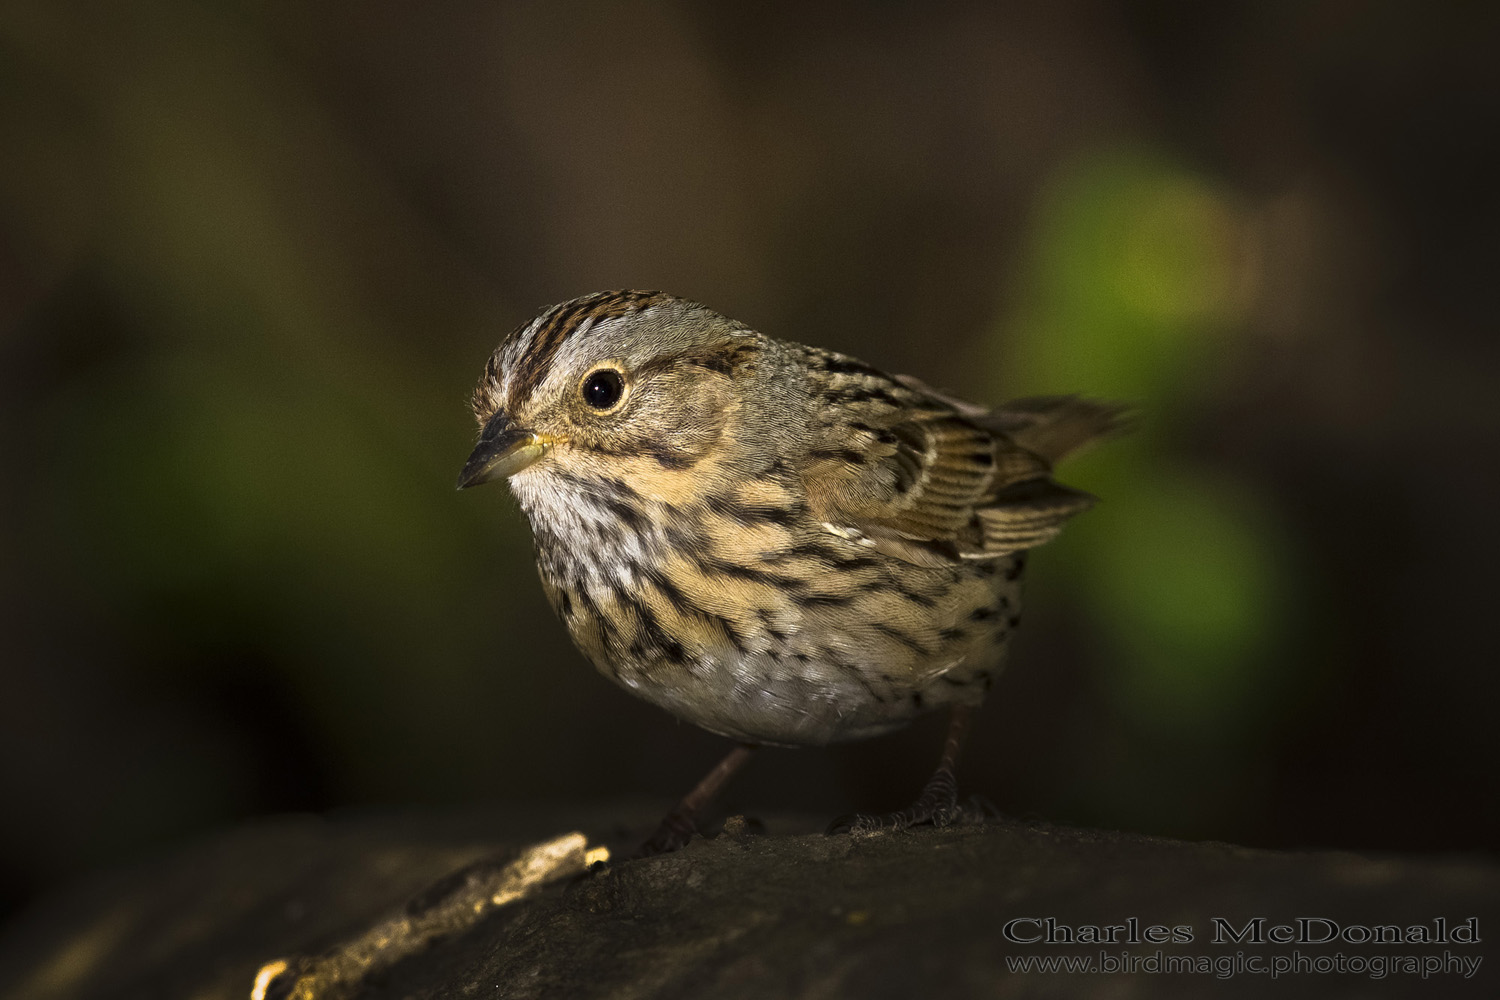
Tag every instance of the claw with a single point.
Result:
(938, 810)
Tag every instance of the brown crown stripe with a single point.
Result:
(561, 322)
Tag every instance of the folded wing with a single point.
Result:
(931, 479)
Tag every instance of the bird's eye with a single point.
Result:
(602, 389)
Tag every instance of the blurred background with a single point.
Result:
(253, 257)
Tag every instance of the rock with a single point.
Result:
(413, 906)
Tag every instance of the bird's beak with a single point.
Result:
(503, 450)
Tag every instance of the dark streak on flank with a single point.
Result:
(906, 640)
(779, 581)
(683, 605)
(754, 514)
(919, 599)
(822, 553)
(731, 633)
(821, 600)
(652, 630)
(778, 635)
(670, 591)
(608, 635)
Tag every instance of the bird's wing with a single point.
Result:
(931, 479)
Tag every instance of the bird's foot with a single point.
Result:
(973, 810)
(679, 825)
(938, 805)
(672, 834)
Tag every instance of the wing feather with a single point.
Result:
(931, 479)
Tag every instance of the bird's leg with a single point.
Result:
(938, 804)
(678, 827)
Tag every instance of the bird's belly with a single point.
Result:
(790, 654)
(765, 700)
(823, 679)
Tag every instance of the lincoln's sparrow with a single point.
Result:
(779, 543)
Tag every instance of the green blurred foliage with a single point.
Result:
(1140, 273)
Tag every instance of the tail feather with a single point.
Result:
(1056, 426)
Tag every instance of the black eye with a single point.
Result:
(602, 389)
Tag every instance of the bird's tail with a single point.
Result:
(1056, 426)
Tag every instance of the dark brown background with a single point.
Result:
(255, 255)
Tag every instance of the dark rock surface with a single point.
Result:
(783, 915)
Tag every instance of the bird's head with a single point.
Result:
(639, 387)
